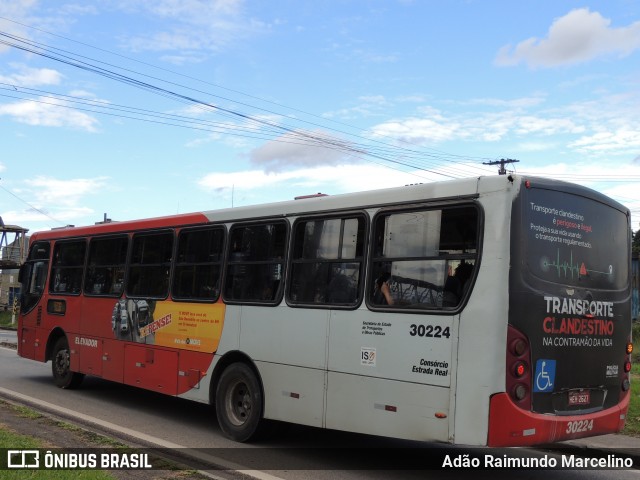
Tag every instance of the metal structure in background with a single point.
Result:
(13, 252)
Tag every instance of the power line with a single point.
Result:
(432, 161)
(384, 152)
(40, 211)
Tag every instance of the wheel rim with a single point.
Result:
(238, 403)
(62, 362)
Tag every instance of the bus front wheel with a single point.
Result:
(239, 402)
(63, 377)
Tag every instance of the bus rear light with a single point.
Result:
(626, 383)
(520, 392)
(518, 379)
(519, 347)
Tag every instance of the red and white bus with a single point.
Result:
(486, 311)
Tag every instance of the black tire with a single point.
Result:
(63, 377)
(239, 403)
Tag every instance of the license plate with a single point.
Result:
(579, 398)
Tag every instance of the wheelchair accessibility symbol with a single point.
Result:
(545, 375)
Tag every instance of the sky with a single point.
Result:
(142, 108)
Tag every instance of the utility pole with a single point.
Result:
(502, 162)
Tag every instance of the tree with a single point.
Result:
(635, 245)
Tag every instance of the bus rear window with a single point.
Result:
(576, 241)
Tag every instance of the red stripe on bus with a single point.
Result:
(509, 425)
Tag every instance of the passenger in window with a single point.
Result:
(340, 290)
(382, 292)
(457, 284)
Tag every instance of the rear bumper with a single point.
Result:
(509, 425)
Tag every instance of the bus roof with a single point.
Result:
(418, 193)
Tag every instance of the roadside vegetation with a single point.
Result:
(24, 428)
(632, 426)
(5, 319)
(12, 440)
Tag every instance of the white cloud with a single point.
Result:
(531, 124)
(49, 113)
(55, 202)
(196, 26)
(420, 130)
(620, 142)
(599, 126)
(535, 146)
(64, 193)
(31, 77)
(524, 102)
(339, 179)
(16, 10)
(302, 149)
(578, 37)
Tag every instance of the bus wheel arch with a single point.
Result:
(54, 336)
(59, 353)
(238, 395)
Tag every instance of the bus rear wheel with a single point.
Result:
(63, 377)
(239, 403)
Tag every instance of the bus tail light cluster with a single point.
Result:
(626, 384)
(518, 381)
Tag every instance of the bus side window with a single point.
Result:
(106, 266)
(255, 264)
(150, 265)
(198, 264)
(327, 261)
(67, 268)
(426, 257)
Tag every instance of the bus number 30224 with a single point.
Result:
(429, 331)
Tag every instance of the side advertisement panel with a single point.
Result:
(187, 326)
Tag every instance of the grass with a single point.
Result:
(9, 439)
(14, 441)
(632, 426)
(5, 319)
(26, 412)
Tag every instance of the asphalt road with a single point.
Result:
(8, 336)
(298, 453)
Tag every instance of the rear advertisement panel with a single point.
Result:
(570, 295)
